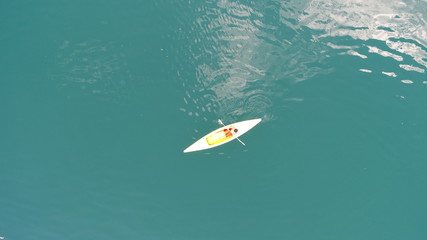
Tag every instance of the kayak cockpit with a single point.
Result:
(221, 135)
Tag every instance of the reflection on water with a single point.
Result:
(248, 55)
(399, 26)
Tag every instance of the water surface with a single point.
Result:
(99, 100)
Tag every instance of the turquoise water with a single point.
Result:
(100, 98)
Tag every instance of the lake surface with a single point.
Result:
(98, 100)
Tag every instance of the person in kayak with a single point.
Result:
(221, 136)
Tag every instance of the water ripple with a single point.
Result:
(399, 29)
(247, 56)
(93, 67)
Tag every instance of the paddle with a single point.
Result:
(220, 122)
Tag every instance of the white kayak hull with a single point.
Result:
(242, 126)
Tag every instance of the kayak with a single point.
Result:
(223, 135)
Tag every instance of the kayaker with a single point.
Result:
(229, 132)
(221, 136)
